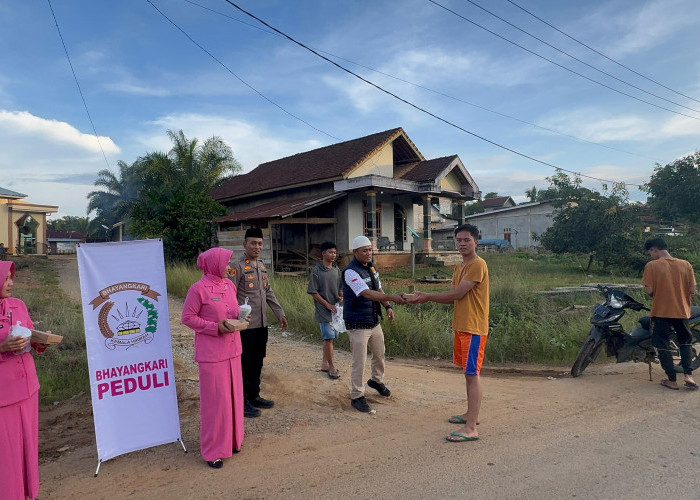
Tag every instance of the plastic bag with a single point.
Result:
(337, 321)
(20, 331)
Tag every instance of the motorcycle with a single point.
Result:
(633, 346)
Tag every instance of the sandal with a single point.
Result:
(692, 386)
(333, 374)
(665, 383)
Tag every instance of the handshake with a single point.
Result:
(414, 297)
(411, 297)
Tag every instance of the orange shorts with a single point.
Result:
(468, 352)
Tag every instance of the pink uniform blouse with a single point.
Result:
(206, 304)
(18, 378)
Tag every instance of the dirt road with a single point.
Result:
(608, 434)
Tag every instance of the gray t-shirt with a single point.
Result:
(328, 284)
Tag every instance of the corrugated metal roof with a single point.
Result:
(280, 208)
(10, 193)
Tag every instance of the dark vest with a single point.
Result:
(359, 312)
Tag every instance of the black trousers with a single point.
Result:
(254, 342)
(660, 336)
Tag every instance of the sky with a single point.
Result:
(222, 73)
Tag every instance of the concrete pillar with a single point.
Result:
(460, 212)
(372, 217)
(427, 234)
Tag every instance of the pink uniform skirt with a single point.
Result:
(19, 449)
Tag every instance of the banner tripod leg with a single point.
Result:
(97, 471)
(182, 444)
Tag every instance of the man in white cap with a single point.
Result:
(364, 298)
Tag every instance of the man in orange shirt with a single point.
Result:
(470, 321)
(670, 282)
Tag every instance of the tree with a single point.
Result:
(605, 227)
(531, 193)
(113, 203)
(674, 190)
(69, 223)
(492, 194)
(174, 201)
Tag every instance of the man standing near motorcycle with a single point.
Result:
(670, 282)
(470, 322)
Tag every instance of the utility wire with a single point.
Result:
(239, 78)
(560, 65)
(378, 87)
(577, 59)
(80, 91)
(600, 53)
(437, 92)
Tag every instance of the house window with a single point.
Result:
(368, 223)
(506, 234)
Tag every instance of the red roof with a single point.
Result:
(327, 163)
(427, 170)
(498, 201)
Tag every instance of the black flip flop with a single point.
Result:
(692, 386)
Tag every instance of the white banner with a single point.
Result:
(127, 331)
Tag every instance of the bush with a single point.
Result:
(62, 369)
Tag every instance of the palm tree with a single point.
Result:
(174, 202)
(532, 193)
(113, 203)
(201, 167)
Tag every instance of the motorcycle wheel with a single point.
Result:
(695, 358)
(589, 351)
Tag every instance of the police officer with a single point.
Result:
(250, 277)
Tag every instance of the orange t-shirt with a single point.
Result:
(671, 279)
(471, 312)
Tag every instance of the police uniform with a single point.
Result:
(250, 278)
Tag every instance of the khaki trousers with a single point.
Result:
(359, 340)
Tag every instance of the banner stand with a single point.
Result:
(129, 350)
(99, 462)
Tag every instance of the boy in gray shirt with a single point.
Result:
(326, 288)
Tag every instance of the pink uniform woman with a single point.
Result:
(19, 398)
(217, 350)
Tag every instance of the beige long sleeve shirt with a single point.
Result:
(250, 278)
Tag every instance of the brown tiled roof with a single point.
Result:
(280, 208)
(329, 162)
(498, 201)
(427, 170)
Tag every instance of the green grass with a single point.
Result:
(62, 369)
(525, 326)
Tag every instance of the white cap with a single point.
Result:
(361, 241)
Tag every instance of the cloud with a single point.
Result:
(134, 89)
(654, 22)
(22, 125)
(597, 126)
(435, 68)
(251, 144)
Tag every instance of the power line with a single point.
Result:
(559, 65)
(443, 94)
(239, 78)
(577, 59)
(80, 91)
(378, 87)
(600, 53)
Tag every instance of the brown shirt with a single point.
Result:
(671, 280)
(250, 278)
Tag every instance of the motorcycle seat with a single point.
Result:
(645, 321)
